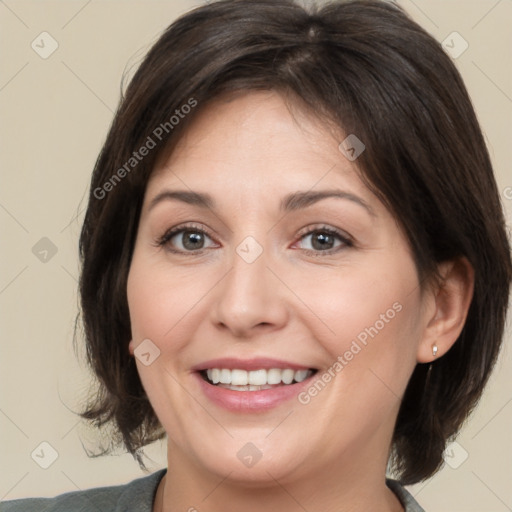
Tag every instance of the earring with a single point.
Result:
(429, 371)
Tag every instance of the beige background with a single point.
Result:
(55, 113)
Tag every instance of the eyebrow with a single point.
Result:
(291, 202)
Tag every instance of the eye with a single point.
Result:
(325, 240)
(194, 239)
(183, 239)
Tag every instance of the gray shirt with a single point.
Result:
(136, 496)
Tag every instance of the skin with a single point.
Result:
(247, 152)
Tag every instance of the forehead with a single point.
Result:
(257, 141)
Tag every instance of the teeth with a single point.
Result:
(287, 376)
(225, 377)
(245, 388)
(239, 378)
(214, 375)
(274, 376)
(301, 375)
(258, 377)
(255, 380)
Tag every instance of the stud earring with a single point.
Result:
(429, 371)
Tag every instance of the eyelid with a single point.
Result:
(162, 241)
(325, 227)
(345, 239)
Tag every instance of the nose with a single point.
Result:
(250, 299)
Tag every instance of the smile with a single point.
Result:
(254, 380)
(251, 385)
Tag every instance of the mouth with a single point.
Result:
(255, 380)
(253, 385)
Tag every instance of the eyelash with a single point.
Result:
(168, 235)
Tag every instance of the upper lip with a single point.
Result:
(257, 363)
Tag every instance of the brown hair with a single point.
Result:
(368, 68)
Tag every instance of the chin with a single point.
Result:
(252, 464)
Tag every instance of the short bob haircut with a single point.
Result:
(366, 68)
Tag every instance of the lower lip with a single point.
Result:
(251, 401)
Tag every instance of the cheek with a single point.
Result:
(159, 298)
(369, 317)
(371, 354)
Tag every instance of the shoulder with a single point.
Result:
(406, 499)
(136, 495)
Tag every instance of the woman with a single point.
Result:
(295, 264)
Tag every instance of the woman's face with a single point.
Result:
(270, 277)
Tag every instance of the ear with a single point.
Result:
(131, 347)
(452, 298)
